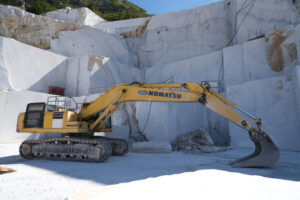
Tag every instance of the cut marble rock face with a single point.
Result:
(28, 28)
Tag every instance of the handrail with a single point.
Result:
(63, 102)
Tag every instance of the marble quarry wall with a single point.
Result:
(194, 32)
(246, 62)
(201, 30)
(266, 83)
(247, 50)
(274, 100)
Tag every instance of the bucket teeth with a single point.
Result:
(266, 153)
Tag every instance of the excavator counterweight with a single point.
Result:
(79, 143)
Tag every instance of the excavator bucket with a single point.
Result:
(266, 154)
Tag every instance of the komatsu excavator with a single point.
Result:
(79, 142)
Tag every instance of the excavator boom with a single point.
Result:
(94, 115)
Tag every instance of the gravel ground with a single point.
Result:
(174, 175)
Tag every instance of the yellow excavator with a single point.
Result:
(79, 142)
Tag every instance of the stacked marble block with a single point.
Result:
(21, 69)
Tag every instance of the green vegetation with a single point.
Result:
(40, 7)
(110, 10)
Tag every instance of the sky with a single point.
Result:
(165, 6)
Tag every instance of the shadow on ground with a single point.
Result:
(137, 166)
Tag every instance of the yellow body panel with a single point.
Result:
(68, 126)
(48, 120)
(20, 123)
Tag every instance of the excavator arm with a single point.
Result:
(180, 93)
(266, 154)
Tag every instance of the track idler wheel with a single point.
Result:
(25, 150)
(266, 153)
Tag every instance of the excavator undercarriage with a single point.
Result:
(79, 143)
(74, 149)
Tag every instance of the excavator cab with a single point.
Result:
(58, 115)
(34, 115)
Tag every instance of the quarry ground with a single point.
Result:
(174, 175)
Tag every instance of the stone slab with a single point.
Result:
(151, 147)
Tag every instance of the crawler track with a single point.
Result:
(73, 149)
